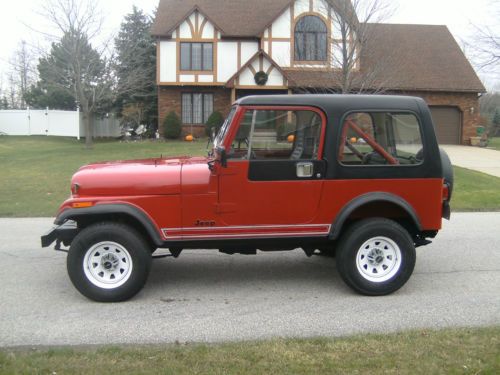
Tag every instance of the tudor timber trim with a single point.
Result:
(276, 40)
(258, 35)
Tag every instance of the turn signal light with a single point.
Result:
(82, 204)
(446, 192)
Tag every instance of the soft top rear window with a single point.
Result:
(381, 138)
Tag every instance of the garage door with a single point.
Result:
(448, 123)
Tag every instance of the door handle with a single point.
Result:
(305, 170)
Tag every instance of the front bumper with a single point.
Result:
(64, 233)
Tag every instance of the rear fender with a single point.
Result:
(366, 199)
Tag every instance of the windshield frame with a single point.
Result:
(219, 139)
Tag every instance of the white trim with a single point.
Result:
(208, 235)
(256, 235)
(253, 227)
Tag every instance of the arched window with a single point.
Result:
(310, 39)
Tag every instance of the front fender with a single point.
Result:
(104, 210)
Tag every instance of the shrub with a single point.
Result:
(214, 122)
(172, 127)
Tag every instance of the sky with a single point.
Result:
(21, 21)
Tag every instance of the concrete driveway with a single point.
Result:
(475, 158)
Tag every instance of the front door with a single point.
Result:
(274, 177)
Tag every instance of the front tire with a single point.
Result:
(376, 257)
(109, 262)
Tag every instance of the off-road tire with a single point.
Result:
(128, 250)
(361, 243)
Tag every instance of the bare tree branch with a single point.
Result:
(352, 34)
(74, 65)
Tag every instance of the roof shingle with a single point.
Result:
(236, 18)
(414, 57)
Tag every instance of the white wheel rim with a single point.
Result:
(107, 265)
(378, 259)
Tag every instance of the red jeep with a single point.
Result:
(361, 177)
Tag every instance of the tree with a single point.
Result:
(487, 47)
(23, 72)
(74, 66)
(135, 68)
(485, 44)
(4, 104)
(43, 95)
(351, 39)
(495, 129)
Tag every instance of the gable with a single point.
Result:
(260, 62)
(195, 26)
(235, 18)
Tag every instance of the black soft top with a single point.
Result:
(342, 103)
(336, 107)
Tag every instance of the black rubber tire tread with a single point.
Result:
(355, 236)
(126, 236)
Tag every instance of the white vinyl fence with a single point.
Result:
(55, 123)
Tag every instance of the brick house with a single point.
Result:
(211, 52)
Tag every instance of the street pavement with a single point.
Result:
(205, 296)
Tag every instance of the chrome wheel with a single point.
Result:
(378, 259)
(107, 265)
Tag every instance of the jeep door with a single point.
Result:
(275, 172)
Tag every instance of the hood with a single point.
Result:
(131, 177)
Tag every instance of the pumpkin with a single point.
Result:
(354, 140)
(291, 138)
(189, 138)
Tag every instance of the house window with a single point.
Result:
(197, 108)
(196, 56)
(310, 39)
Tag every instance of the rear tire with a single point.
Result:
(376, 257)
(109, 262)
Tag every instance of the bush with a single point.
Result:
(172, 127)
(215, 121)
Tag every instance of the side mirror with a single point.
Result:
(222, 156)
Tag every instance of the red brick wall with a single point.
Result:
(169, 98)
(463, 101)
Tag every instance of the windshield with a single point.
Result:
(224, 129)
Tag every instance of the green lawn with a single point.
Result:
(459, 351)
(475, 191)
(494, 143)
(36, 171)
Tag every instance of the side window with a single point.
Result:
(277, 135)
(381, 138)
